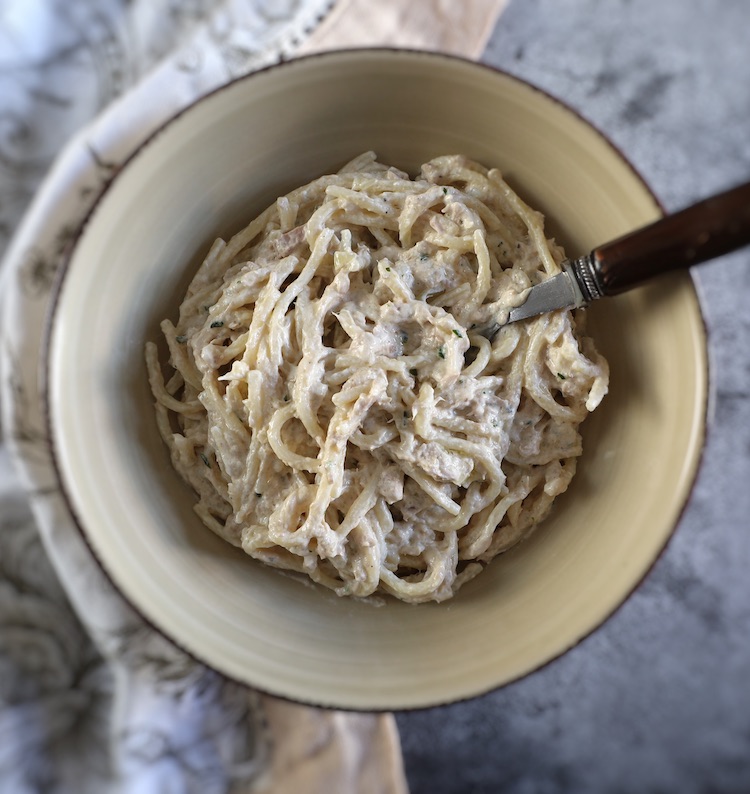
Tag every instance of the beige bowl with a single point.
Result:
(214, 167)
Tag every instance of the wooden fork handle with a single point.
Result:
(712, 227)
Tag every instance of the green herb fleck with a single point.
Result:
(205, 460)
(182, 339)
(441, 352)
(388, 270)
(561, 376)
(458, 333)
(259, 495)
(445, 191)
(217, 323)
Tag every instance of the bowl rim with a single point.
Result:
(48, 330)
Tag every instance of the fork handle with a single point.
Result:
(703, 231)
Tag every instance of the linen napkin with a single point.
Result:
(91, 698)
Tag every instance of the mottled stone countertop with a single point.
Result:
(658, 699)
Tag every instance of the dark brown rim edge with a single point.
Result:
(45, 378)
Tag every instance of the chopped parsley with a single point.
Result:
(441, 352)
(458, 333)
(445, 191)
(561, 376)
(217, 323)
(205, 460)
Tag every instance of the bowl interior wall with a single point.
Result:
(213, 170)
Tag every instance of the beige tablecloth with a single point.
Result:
(92, 699)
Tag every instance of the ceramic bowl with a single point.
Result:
(214, 167)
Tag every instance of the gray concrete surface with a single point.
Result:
(658, 699)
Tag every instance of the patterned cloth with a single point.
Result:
(91, 698)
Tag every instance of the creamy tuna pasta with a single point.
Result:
(333, 408)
